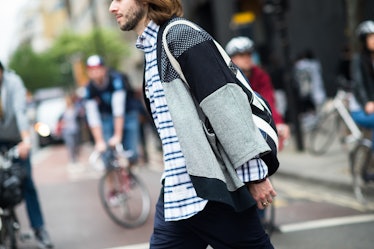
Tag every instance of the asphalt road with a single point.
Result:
(308, 215)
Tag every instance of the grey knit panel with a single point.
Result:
(180, 38)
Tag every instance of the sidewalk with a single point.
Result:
(331, 168)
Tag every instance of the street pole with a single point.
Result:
(279, 8)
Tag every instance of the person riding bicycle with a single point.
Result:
(362, 73)
(15, 130)
(108, 100)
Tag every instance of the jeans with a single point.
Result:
(107, 126)
(131, 134)
(71, 141)
(365, 120)
(30, 194)
(217, 225)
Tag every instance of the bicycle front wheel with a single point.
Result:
(125, 198)
(323, 134)
(361, 168)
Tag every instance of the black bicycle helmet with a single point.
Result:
(238, 45)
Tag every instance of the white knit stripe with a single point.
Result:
(266, 128)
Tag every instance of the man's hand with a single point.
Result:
(263, 193)
(369, 107)
(283, 134)
(113, 141)
(100, 146)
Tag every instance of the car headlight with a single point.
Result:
(42, 129)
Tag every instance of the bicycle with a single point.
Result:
(333, 120)
(362, 169)
(11, 176)
(123, 195)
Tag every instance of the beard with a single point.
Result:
(133, 18)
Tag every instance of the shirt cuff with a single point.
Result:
(253, 170)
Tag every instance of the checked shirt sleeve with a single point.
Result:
(253, 170)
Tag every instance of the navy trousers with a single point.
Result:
(218, 225)
(31, 198)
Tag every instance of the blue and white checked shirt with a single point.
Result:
(180, 198)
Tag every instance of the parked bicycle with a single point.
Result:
(124, 196)
(334, 121)
(11, 177)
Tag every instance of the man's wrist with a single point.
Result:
(259, 180)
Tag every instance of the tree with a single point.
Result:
(54, 66)
(36, 70)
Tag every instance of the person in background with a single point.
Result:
(277, 73)
(310, 87)
(362, 73)
(197, 207)
(15, 131)
(69, 127)
(112, 113)
(240, 50)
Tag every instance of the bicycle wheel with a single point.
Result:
(7, 233)
(125, 198)
(362, 169)
(323, 134)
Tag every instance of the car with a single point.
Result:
(48, 113)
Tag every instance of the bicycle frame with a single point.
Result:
(341, 108)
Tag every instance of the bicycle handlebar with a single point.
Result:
(118, 148)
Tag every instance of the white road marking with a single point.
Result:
(326, 223)
(137, 246)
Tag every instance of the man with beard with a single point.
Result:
(202, 201)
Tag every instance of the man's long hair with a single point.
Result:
(161, 11)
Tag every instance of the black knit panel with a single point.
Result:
(180, 38)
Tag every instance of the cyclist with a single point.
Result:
(362, 73)
(241, 50)
(108, 99)
(15, 130)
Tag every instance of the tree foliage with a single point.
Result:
(54, 66)
(36, 70)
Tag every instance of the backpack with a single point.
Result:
(261, 112)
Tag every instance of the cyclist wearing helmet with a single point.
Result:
(241, 50)
(362, 72)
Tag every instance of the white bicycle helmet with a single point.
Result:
(238, 45)
(365, 28)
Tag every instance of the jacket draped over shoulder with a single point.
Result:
(211, 157)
